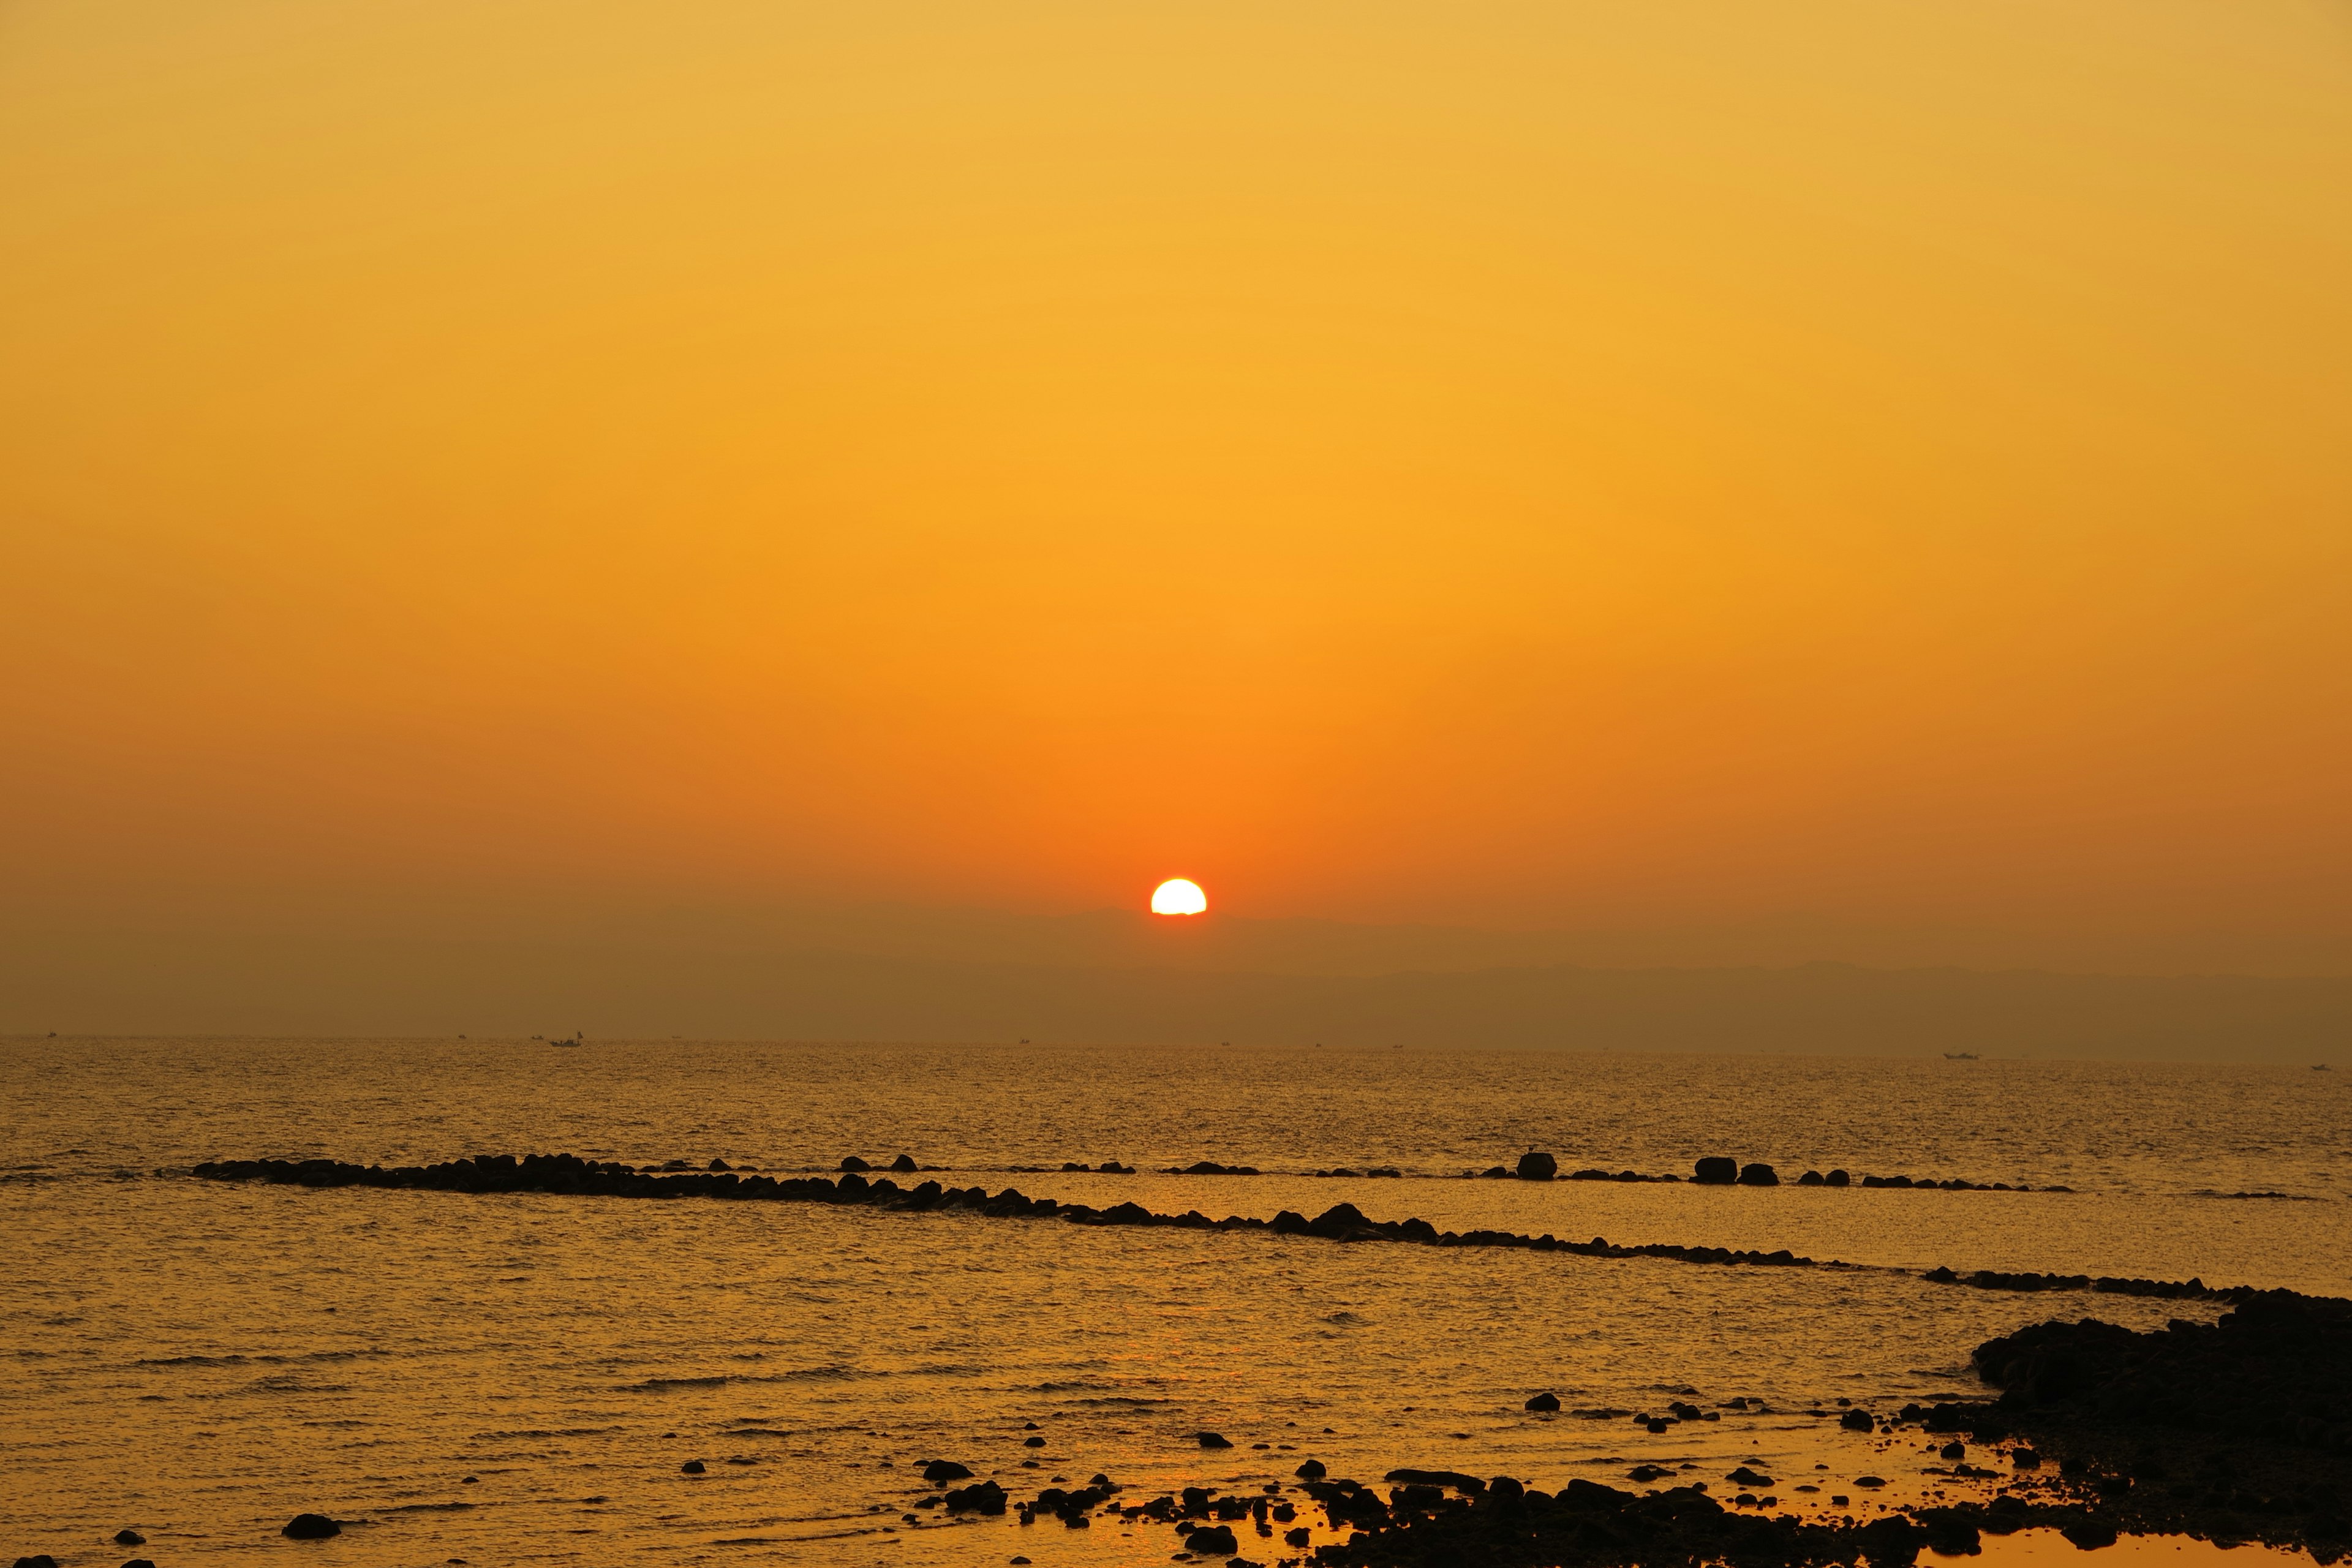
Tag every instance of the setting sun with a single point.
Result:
(1178, 896)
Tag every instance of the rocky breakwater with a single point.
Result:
(2236, 1430)
(1430, 1517)
(568, 1174)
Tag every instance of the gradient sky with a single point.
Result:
(1663, 464)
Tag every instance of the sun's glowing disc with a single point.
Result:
(1178, 897)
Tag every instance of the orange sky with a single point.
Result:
(1540, 465)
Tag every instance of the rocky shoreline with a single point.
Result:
(568, 1174)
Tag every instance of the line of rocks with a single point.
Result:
(569, 1174)
(1533, 1166)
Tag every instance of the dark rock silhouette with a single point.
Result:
(939, 1471)
(982, 1497)
(1033, 1442)
(851, 1163)
(140, 1563)
(691, 1468)
(1759, 1176)
(310, 1527)
(1212, 1540)
(1544, 1402)
(1312, 1471)
(569, 1175)
(1212, 1440)
(1536, 1167)
(903, 1163)
(1858, 1421)
(1838, 1178)
(129, 1538)
(1715, 1171)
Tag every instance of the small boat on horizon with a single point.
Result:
(1960, 1056)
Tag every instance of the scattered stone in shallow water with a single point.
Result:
(1033, 1442)
(942, 1471)
(1212, 1440)
(1716, 1171)
(1544, 1402)
(1857, 1421)
(851, 1163)
(1759, 1176)
(129, 1538)
(310, 1527)
(1536, 1167)
(692, 1467)
(902, 1164)
(1312, 1471)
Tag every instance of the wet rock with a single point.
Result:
(1873, 1483)
(692, 1467)
(1113, 1168)
(1212, 1541)
(1212, 1440)
(981, 1496)
(1954, 1451)
(851, 1163)
(1536, 1167)
(1715, 1171)
(939, 1471)
(310, 1527)
(1857, 1421)
(1838, 1178)
(129, 1538)
(1647, 1473)
(1312, 1471)
(38, 1560)
(1296, 1537)
(2090, 1534)
(1759, 1176)
(2025, 1458)
(1811, 1179)
(140, 1563)
(1033, 1442)
(1544, 1402)
(1749, 1477)
(903, 1163)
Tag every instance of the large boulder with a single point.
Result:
(851, 1163)
(1215, 1540)
(1759, 1176)
(903, 1163)
(1538, 1167)
(1716, 1171)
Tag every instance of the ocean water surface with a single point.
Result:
(201, 1361)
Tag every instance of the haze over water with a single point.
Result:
(205, 1360)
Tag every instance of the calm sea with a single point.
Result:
(200, 1362)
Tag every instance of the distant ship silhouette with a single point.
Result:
(1960, 1056)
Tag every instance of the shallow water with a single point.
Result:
(201, 1361)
